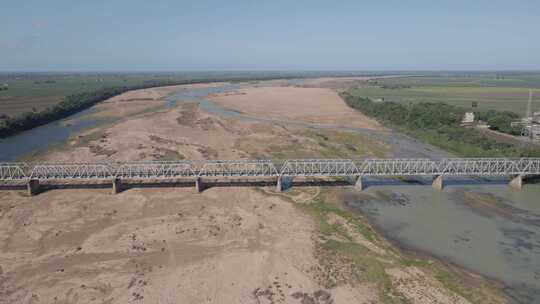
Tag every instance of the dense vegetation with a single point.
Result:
(500, 121)
(439, 124)
(70, 105)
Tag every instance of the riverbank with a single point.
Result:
(239, 244)
(107, 86)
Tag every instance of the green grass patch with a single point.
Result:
(321, 208)
(313, 143)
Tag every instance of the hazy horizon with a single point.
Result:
(277, 36)
(104, 71)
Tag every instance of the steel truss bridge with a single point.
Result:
(33, 173)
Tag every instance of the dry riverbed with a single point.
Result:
(225, 245)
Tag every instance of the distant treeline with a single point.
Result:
(439, 124)
(78, 102)
(70, 105)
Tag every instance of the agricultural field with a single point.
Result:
(24, 92)
(491, 91)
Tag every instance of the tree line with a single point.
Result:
(439, 124)
(77, 102)
(70, 105)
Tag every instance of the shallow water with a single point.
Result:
(401, 145)
(486, 227)
(41, 138)
(58, 132)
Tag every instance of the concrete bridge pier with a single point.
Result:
(438, 182)
(279, 184)
(199, 185)
(32, 187)
(116, 186)
(359, 184)
(517, 182)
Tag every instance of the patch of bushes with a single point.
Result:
(500, 121)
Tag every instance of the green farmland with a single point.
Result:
(491, 91)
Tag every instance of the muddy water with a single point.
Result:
(481, 225)
(485, 227)
(40, 138)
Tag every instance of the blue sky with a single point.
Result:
(60, 35)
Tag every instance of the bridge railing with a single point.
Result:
(256, 168)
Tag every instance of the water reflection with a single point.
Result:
(41, 138)
(484, 226)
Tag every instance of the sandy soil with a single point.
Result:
(172, 245)
(164, 245)
(161, 245)
(310, 105)
(182, 133)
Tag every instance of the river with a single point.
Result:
(479, 224)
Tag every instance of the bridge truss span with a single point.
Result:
(13, 171)
(530, 165)
(480, 167)
(155, 170)
(397, 167)
(319, 167)
(238, 168)
(67, 171)
(198, 170)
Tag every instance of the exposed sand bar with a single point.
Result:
(307, 105)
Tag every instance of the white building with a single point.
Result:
(468, 119)
(535, 129)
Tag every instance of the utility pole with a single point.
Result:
(528, 126)
(530, 116)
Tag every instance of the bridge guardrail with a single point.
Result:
(19, 171)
